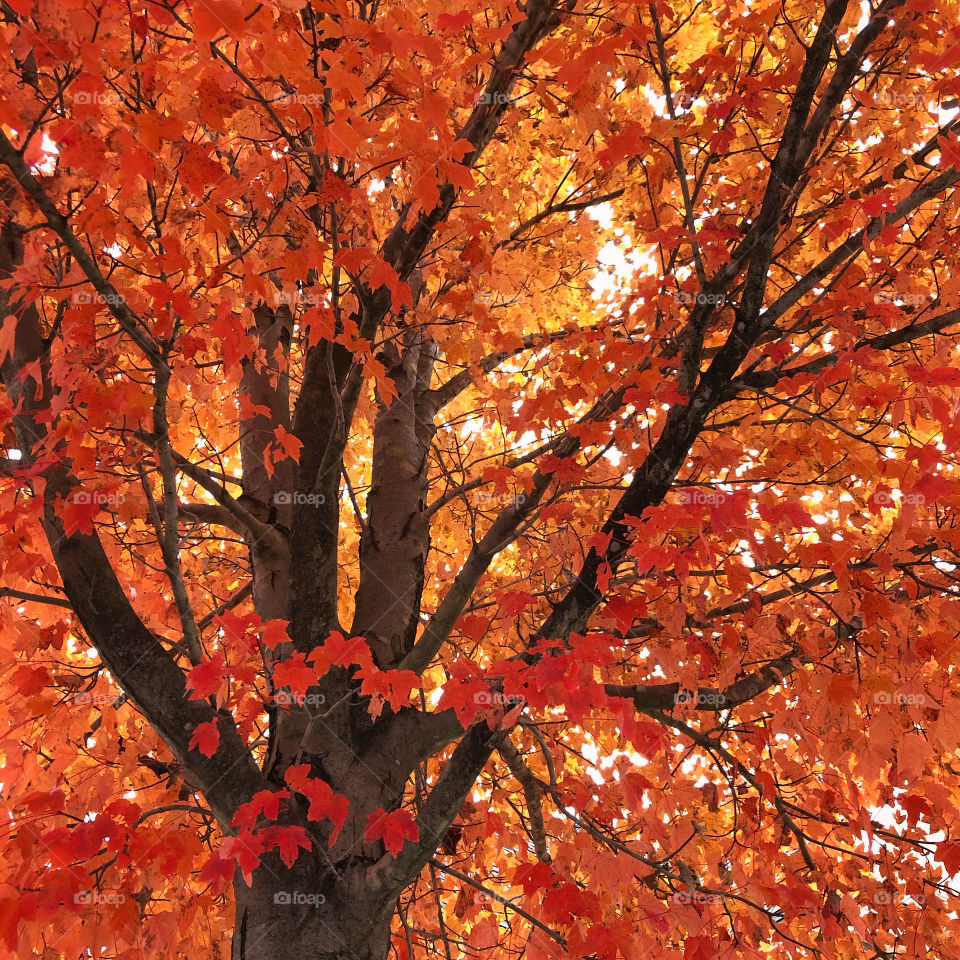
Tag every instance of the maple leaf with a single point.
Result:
(288, 443)
(353, 260)
(273, 633)
(288, 839)
(383, 275)
(217, 871)
(387, 686)
(324, 803)
(206, 738)
(246, 849)
(295, 674)
(265, 803)
(337, 651)
(393, 828)
(454, 21)
(8, 332)
(206, 679)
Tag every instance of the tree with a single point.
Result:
(480, 482)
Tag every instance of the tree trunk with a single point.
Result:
(297, 914)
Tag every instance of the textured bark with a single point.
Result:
(393, 549)
(307, 915)
(318, 424)
(269, 498)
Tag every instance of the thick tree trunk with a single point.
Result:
(293, 915)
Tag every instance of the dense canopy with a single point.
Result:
(479, 482)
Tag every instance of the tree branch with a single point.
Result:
(134, 326)
(664, 696)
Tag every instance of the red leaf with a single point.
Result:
(336, 651)
(219, 872)
(393, 828)
(266, 802)
(534, 877)
(274, 633)
(454, 21)
(288, 839)
(206, 679)
(324, 803)
(352, 260)
(390, 686)
(290, 445)
(206, 738)
(295, 674)
(245, 848)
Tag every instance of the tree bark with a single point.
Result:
(298, 915)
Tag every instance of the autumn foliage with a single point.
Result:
(479, 482)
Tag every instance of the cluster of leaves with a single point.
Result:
(214, 159)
